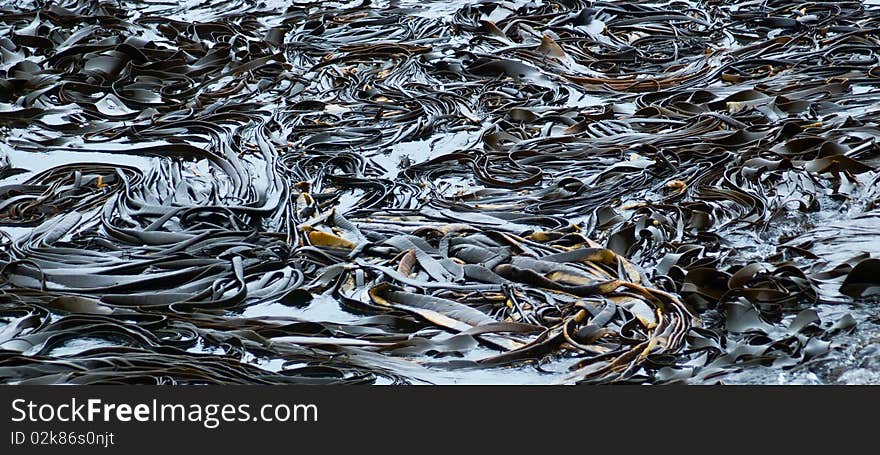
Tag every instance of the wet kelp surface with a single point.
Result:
(415, 192)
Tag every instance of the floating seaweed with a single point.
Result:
(386, 192)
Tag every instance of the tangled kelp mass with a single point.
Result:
(405, 192)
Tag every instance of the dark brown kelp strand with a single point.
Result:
(391, 192)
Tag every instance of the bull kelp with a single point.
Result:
(398, 192)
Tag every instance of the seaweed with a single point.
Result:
(366, 192)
